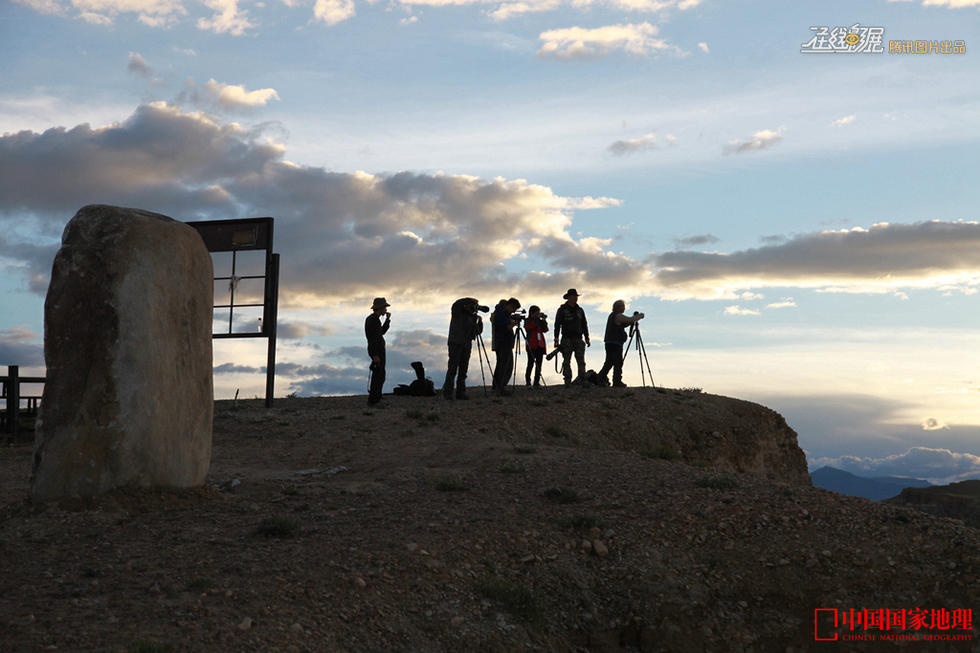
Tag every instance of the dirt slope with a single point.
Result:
(558, 520)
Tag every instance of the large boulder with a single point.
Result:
(127, 342)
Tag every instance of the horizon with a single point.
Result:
(799, 228)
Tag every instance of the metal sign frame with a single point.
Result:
(248, 234)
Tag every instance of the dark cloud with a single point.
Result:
(694, 241)
(888, 254)
(138, 66)
(343, 236)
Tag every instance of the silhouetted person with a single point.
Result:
(503, 343)
(535, 326)
(375, 332)
(615, 337)
(572, 336)
(464, 326)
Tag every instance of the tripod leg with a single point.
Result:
(643, 350)
(480, 351)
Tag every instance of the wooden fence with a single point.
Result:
(12, 394)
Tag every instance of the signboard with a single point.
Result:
(241, 251)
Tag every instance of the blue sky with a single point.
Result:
(801, 229)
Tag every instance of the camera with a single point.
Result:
(519, 316)
(482, 309)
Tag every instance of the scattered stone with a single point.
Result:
(600, 548)
(245, 624)
(360, 582)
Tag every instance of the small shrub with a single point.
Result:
(663, 452)
(290, 491)
(538, 402)
(691, 390)
(344, 416)
(524, 449)
(413, 414)
(554, 431)
(432, 417)
(449, 483)
(717, 482)
(277, 527)
(200, 584)
(560, 494)
(517, 599)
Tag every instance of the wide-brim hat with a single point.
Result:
(571, 291)
(379, 301)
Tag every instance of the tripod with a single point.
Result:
(517, 353)
(636, 341)
(481, 351)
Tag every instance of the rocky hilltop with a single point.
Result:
(957, 500)
(559, 520)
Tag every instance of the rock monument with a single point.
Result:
(127, 342)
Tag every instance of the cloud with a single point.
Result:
(786, 302)
(846, 120)
(759, 141)
(332, 12)
(582, 43)
(344, 237)
(704, 47)
(155, 13)
(629, 146)
(933, 424)
(952, 4)
(738, 310)
(944, 256)
(693, 241)
(137, 65)
(294, 330)
(20, 346)
(227, 19)
(509, 9)
(230, 96)
(937, 465)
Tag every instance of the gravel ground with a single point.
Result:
(555, 520)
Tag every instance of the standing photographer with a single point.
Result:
(375, 332)
(615, 337)
(572, 336)
(535, 327)
(464, 326)
(503, 343)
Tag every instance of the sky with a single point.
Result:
(799, 227)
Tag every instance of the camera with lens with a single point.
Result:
(519, 316)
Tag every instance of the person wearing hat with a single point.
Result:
(572, 336)
(375, 332)
(503, 343)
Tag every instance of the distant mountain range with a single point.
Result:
(878, 488)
